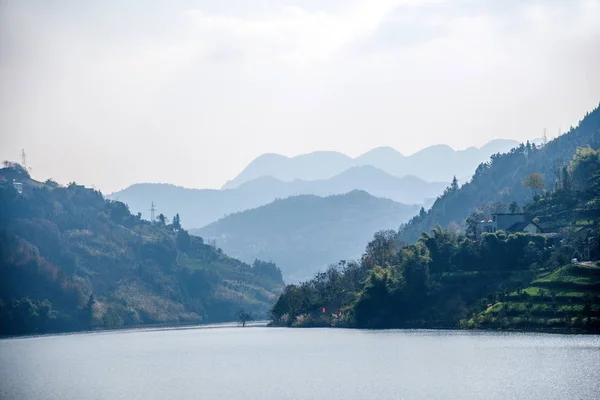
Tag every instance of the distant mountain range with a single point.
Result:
(198, 207)
(434, 163)
(304, 234)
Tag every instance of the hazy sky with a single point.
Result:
(189, 92)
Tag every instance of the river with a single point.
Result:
(255, 363)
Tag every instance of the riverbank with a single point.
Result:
(564, 300)
(147, 328)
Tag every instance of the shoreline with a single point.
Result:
(142, 328)
(266, 324)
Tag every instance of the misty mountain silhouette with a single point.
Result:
(198, 207)
(434, 163)
(303, 234)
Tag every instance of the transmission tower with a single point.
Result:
(24, 159)
(544, 138)
(152, 212)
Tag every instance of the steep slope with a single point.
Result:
(496, 280)
(199, 207)
(501, 180)
(434, 163)
(568, 296)
(70, 260)
(304, 234)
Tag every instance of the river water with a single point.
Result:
(255, 363)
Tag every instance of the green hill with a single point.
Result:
(565, 299)
(453, 278)
(304, 234)
(71, 260)
(499, 182)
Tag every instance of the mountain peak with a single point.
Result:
(499, 145)
(434, 163)
(384, 151)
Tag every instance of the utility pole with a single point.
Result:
(152, 211)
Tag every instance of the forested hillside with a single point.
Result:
(454, 278)
(304, 234)
(71, 260)
(500, 181)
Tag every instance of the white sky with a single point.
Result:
(189, 92)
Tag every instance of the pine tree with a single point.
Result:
(176, 222)
(454, 185)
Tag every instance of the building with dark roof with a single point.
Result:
(507, 223)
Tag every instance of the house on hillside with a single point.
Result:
(507, 223)
(18, 186)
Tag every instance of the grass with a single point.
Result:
(571, 276)
(565, 299)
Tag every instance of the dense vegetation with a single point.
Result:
(304, 234)
(71, 260)
(568, 297)
(454, 278)
(499, 182)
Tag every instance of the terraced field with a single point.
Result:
(567, 299)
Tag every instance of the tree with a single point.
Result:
(453, 188)
(585, 163)
(176, 222)
(454, 184)
(244, 317)
(183, 240)
(514, 207)
(471, 223)
(382, 249)
(442, 246)
(565, 179)
(535, 181)
(162, 220)
(415, 270)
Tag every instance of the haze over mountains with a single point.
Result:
(382, 172)
(379, 190)
(434, 163)
(304, 234)
(199, 207)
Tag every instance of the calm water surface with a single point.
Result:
(267, 363)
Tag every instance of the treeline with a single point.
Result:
(436, 282)
(500, 181)
(71, 260)
(450, 275)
